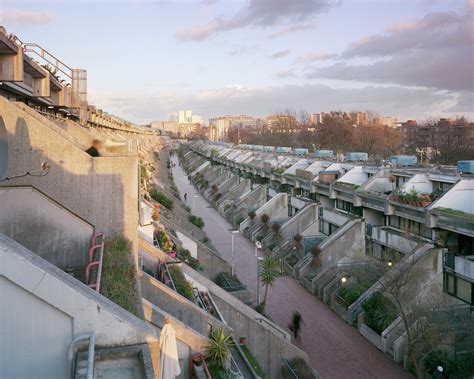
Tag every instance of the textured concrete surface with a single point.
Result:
(335, 349)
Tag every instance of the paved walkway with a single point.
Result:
(335, 349)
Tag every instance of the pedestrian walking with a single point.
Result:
(185, 197)
(295, 324)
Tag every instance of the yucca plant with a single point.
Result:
(218, 348)
(269, 273)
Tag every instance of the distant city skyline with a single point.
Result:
(146, 59)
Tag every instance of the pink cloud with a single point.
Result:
(25, 18)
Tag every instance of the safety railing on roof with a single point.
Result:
(96, 256)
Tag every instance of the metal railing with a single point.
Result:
(71, 353)
(95, 260)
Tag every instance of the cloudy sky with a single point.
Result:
(402, 58)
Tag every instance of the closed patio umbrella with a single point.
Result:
(169, 364)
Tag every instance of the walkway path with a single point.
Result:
(335, 349)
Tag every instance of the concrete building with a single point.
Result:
(413, 224)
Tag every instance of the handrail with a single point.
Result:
(288, 365)
(275, 327)
(203, 362)
(90, 353)
(93, 262)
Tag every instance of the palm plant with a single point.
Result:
(298, 238)
(316, 253)
(276, 229)
(264, 219)
(218, 348)
(252, 215)
(269, 273)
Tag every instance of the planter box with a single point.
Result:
(371, 335)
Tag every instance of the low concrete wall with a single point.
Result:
(269, 344)
(32, 286)
(103, 191)
(189, 341)
(173, 303)
(44, 227)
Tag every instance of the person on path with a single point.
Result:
(296, 324)
(185, 197)
(93, 151)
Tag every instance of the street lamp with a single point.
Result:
(232, 259)
(259, 261)
(344, 279)
(258, 245)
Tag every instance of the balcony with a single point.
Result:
(391, 238)
(413, 210)
(459, 264)
(459, 276)
(454, 220)
(373, 200)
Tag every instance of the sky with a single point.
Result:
(410, 59)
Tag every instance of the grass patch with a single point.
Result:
(352, 291)
(196, 221)
(161, 198)
(252, 360)
(454, 212)
(183, 287)
(118, 275)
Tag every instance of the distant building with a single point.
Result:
(391, 122)
(281, 122)
(317, 118)
(173, 116)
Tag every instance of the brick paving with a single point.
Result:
(335, 349)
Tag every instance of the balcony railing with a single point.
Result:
(459, 264)
(456, 221)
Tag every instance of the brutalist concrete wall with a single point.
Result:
(44, 227)
(299, 222)
(43, 307)
(103, 191)
(266, 343)
(180, 308)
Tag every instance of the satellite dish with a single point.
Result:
(3, 149)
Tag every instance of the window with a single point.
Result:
(458, 287)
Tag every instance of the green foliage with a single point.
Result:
(185, 256)
(161, 198)
(269, 270)
(118, 275)
(455, 368)
(143, 173)
(197, 221)
(164, 241)
(252, 360)
(183, 287)
(218, 348)
(350, 292)
(379, 312)
(454, 212)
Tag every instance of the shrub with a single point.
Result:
(118, 275)
(163, 240)
(197, 221)
(183, 287)
(185, 256)
(379, 312)
(161, 198)
(350, 292)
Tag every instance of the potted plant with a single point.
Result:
(218, 349)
